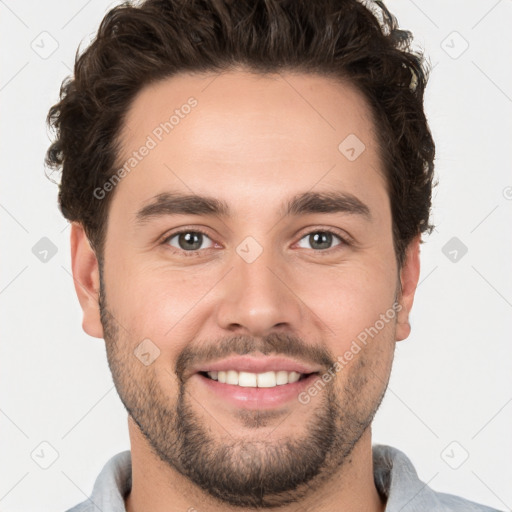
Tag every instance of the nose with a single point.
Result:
(257, 298)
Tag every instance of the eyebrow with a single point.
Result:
(169, 203)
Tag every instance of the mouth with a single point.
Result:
(268, 379)
(254, 391)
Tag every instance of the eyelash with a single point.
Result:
(197, 252)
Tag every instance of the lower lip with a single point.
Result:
(257, 398)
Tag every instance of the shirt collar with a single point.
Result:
(395, 478)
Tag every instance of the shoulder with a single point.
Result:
(85, 506)
(110, 487)
(397, 481)
(451, 502)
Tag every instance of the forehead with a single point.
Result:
(246, 136)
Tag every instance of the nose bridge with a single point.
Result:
(256, 297)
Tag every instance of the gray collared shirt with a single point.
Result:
(395, 479)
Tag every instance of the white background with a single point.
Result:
(452, 379)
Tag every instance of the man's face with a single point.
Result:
(254, 281)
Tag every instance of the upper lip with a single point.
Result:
(256, 365)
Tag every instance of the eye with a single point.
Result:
(187, 241)
(321, 240)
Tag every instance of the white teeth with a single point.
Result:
(253, 380)
(267, 380)
(282, 377)
(231, 377)
(246, 379)
(293, 377)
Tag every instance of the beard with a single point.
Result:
(240, 471)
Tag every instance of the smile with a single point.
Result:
(256, 380)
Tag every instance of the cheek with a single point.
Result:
(169, 305)
(155, 302)
(349, 299)
(363, 363)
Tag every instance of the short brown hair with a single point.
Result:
(138, 45)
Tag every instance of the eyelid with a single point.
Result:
(165, 239)
(345, 238)
(342, 235)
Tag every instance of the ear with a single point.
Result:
(86, 278)
(409, 275)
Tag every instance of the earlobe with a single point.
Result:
(409, 276)
(85, 270)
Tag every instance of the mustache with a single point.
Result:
(277, 344)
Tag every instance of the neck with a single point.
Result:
(160, 488)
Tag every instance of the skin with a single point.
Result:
(252, 141)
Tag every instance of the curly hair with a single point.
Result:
(139, 44)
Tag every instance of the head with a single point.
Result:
(290, 120)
